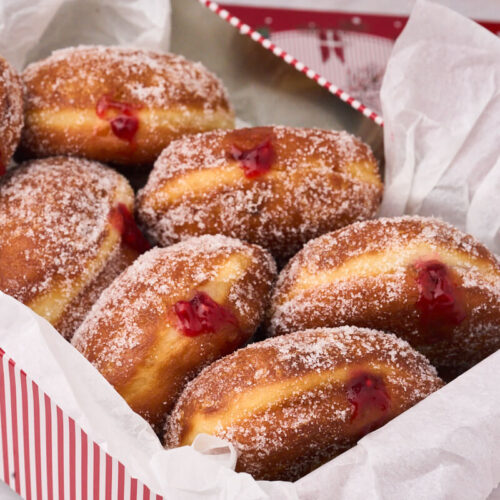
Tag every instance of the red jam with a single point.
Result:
(371, 402)
(201, 315)
(125, 224)
(121, 117)
(3, 170)
(256, 161)
(438, 302)
(125, 127)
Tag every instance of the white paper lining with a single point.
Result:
(31, 29)
(441, 106)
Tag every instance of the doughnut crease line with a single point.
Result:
(390, 261)
(264, 397)
(196, 182)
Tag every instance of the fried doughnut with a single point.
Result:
(172, 312)
(276, 187)
(291, 403)
(66, 232)
(11, 112)
(418, 277)
(118, 105)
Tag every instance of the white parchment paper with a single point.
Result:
(31, 29)
(446, 446)
(441, 106)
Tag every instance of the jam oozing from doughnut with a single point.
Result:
(256, 161)
(123, 221)
(125, 127)
(123, 120)
(371, 402)
(438, 302)
(3, 170)
(201, 315)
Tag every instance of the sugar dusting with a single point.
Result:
(157, 280)
(53, 218)
(11, 104)
(267, 436)
(146, 77)
(170, 96)
(280, 215)
(349, 300)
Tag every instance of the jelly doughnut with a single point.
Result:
(420, 278)
(291, 403)
(11, 112)
(118, 105)
(172, 312)
(276, 187)
(66, 232)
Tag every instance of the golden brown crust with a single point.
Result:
(79, 307)
(56, 233)
(133, 336)
(286, 405)
(318, 181)
(11, 112)
(168, 95)
(367, 275)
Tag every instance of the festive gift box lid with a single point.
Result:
(343, 46)
(253, 74)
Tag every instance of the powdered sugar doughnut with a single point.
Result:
(273, 186)
(291, 403)
(66, 232)
(118, 105)
(417, 277)
(11, 114)
(171, 313)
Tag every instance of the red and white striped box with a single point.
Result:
(45, 454)
(269, 43)
(343, 47)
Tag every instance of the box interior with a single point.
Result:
(263, 88)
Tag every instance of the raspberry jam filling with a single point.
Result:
(201, 315)
(3, 170)
(123, 120)
(123, 221)
(371, 402)
(125, 127)
(438, 302)
(256, 161)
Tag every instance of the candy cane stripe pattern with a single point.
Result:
(44, 454)
(245, 29)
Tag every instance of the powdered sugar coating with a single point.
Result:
(163, 275)
(53, 219)
(132, 326)
(12, 117)
(310, 188)
(157, 97)
(387, 300)
(287, 438)
(146, 78)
